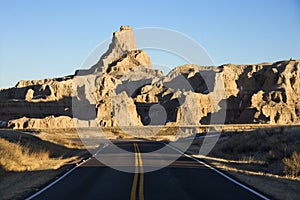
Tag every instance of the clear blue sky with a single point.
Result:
(40, 39)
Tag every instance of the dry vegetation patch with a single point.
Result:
(17, 157)
(28, 161)
(259, 158)
(292, 165)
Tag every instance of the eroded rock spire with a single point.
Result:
(122, 52)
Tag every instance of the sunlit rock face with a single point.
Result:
(123, 89)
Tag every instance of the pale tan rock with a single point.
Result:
(129, 61)
(122, 89)
(123, 42)
(118, 110)
(50, 122)
(124, 28)
(29, 95)
(194, 108)
(124, 111)
(149, 94)
(257, 99)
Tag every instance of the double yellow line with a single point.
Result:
(139, 170)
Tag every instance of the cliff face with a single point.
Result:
(122, 89)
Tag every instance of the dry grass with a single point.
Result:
(262, 158)
(17, 157)
(65, 137)
(227, 165)
(245, 160)
(27, 161)
(268, 146)
(292, 165)
(17, 185)
(279, 188)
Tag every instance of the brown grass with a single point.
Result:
(17, 157)
(263, 158)
(279, 188)
(228, 165)
(269, 146)
(65, 137)
(292, 165)
(27, 161)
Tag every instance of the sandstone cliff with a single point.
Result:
(122, 89)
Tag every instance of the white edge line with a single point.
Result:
(220, 173)
(64, 175)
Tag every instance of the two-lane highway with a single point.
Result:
(183, 179)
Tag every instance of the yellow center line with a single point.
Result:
(139, 170)
(135, 179)
(141, 188)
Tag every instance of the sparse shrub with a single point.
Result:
(292, 164)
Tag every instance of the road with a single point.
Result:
(183, 179)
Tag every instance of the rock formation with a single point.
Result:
(122, 89)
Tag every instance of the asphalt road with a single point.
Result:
(183, 179)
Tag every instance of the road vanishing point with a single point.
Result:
(185, 178)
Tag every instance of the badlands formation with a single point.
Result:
(123, 89)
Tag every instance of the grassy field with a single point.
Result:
(28, 161)
(267, 159)
(22, 158)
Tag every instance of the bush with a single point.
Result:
(292, 164)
